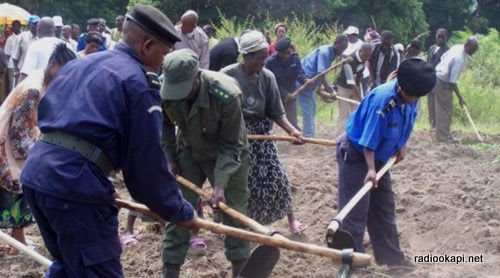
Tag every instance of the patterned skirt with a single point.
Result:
(270, 193)
(14, 211)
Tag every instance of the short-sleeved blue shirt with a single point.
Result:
(318, 60)
(106, 100)
(377, 126)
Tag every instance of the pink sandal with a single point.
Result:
(296, 228)
(128, 239)
(198, 245)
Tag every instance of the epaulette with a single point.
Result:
(388, 108)
(153, 80)
(220, 93)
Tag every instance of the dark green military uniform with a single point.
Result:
(211, 143)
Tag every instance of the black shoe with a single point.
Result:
(171, 270)
(404, 264)
(448, 140)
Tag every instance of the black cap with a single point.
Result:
(415, 44)
(283, 44)
(416, 77)
(93, 21)
(154, 22)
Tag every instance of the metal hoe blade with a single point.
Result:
(261, 263)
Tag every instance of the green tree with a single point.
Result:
(485, 15)
(75, 11)
(405, 18)
(449, 14)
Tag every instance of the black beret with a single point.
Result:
(93, 21)
(283, 44)
(416, 77)
(154, 22)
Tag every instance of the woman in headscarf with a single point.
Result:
(18, 133)
(270, 192)
(280, 31)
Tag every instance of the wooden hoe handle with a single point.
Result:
(322, 142)
(358, 259)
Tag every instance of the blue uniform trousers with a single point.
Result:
(82, 238)
(308, 107)
(376, 210)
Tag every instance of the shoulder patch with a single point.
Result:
(153, 80)
(220, 93)
(391, 105)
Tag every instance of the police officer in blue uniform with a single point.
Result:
(102, 112)
(377, 130)
(92, 26)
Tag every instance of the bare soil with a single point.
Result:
(447, 198)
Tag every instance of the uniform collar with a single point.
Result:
(126, 49)
(398, 98)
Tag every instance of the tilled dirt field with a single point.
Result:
(448, 203)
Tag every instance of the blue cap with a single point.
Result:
(33, 19)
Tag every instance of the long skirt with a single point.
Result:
(270, 193)
(14, 211)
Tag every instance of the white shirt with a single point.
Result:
(21, 48)
(196, 41)
(352, 47)
(71, 43)
(452, 63)
(10, 44)
(39, 53)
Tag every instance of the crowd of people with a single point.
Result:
(155, 100)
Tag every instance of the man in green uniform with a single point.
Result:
(211, 143)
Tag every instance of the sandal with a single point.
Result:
(198, 245)
(128, 239)
(296, 228)
(11, 251)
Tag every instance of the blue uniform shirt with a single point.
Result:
(319, 60)
(81, 43)
(286, 73)
(377, 126)
(105, 99)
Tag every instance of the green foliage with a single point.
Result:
(486, 147)
(405, 18)
(449, 14)
(75, 11)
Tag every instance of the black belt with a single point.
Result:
(86, 149)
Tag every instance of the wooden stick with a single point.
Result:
(25, 249)
(324, 93)
(312, 80)
(468, 116)
(479, 137)
(359, 259)
(335, 223)
(245, 220)
(290, 139)
(348, 100)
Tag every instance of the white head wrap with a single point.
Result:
(251, 42)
